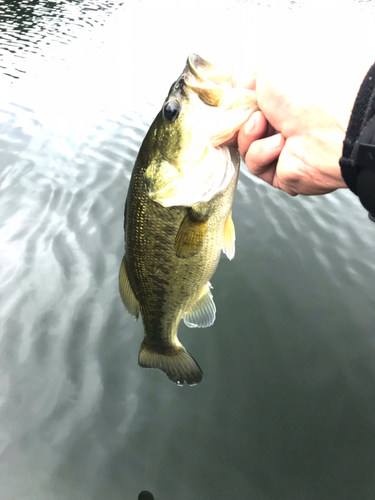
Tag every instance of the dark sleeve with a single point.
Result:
(358, 158)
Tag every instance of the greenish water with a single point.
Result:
(286, 410)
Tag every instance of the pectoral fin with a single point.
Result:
(229, 238)
(203, 312)
(126, 292)
(190, 236)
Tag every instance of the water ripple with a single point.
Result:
(294, 331)
(27, 28)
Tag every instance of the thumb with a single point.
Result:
(244, 76)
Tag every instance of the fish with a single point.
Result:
(178, 213)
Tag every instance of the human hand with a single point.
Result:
(295, 141)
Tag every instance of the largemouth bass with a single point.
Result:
(178, 213)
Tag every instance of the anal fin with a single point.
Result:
(229, 238)
(126, 292)
(203, 312)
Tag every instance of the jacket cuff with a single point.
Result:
(358, 158)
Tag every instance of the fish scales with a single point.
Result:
(160, 280)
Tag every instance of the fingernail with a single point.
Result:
(250, 124)
(272, 142)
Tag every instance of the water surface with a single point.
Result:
(286, 410)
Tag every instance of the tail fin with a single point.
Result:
(175, 362)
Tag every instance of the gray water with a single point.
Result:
(286, 410)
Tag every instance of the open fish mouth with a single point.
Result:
(206, 80)
(202, 112)
(207, 72)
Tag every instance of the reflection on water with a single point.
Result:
(286, 409)
(31, 27)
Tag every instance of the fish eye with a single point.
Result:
(171, 110)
